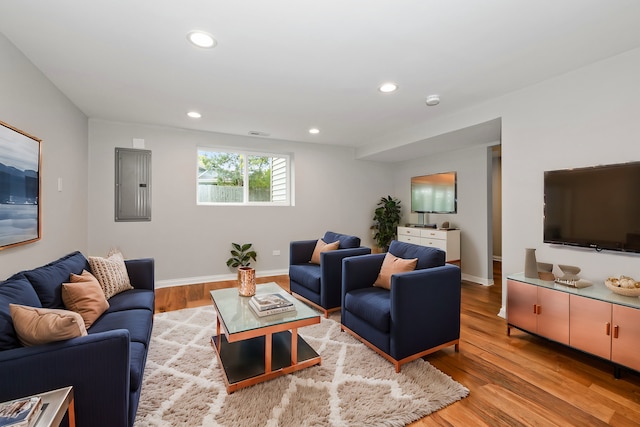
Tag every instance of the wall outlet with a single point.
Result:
(276, 252)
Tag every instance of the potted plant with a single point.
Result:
(241, 258)
(387, 218)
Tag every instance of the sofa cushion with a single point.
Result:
(84, 296)
(137, 321)
(36, 325)
(346, 241)
(111, 272)
(16, 290)
(137, 359)
(322, 246)
(393, 265)
(373, 305)
(428, 257)
(48, 279)
(135, 298)
(307, 275)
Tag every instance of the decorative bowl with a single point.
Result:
(628, 292)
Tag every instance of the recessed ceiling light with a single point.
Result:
(194, 114)
(433, 100)
(388, 87)
(201, 39)
(314, 131)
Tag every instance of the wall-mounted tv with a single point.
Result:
(435, 193)
(596, 207)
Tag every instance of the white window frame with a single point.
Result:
(288, 180)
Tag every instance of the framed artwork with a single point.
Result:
(19, 187)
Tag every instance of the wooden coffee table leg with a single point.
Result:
(71, 411)
(294, 346)
(268, 348)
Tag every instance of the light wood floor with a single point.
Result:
(521, 380)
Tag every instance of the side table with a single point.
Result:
(58, 402)
(55, 404)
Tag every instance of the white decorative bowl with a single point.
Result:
(628, 292)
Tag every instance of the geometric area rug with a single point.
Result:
(353, 386)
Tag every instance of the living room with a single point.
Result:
(559, 123)
(579, 117)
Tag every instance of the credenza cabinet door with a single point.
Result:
(521, 305)
(538, 310)
(590, 326)
(553, 315)
(625, 336)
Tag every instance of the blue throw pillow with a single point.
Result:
(428, 257)
(48, 279)
(16, 290)
(346, 241)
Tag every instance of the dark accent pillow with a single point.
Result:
(48, 279)
(16, 290)
(346, 241)
(428, 257)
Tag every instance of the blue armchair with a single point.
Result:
(420, 314)
(321, 285)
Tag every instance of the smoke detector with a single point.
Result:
(433, 100)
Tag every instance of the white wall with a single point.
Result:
(473, 168)
(333, 191)
(32, 104)
(496, 211)
(584, 118)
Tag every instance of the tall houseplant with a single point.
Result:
(241, 258)
(387, 218)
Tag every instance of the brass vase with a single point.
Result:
(246, 281)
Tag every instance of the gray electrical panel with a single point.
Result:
(133, 185)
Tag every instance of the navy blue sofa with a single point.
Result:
(420, 314)
(321, 284)
(105, 367)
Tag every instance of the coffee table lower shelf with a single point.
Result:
(243, 362)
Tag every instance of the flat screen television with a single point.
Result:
(435, 193)
(596, 207)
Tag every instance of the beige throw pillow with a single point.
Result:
(111, 272)
(322, 246)
(85, 296)
(392, 265)
(35, 326)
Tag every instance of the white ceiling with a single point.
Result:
(283, 66)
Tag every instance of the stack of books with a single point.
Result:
(265, 305)
(20, 413)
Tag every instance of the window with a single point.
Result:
(226, 177)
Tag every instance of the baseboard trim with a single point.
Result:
(214, 278)
(481, 280)
(184, 281)
(503, 312)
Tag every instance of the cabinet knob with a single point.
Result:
(607, 328)
(616, 330)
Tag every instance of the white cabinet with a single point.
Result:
(447, 240)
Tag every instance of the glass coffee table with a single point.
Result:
(254, 349)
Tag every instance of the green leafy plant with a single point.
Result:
(387, 218)
(241, 255)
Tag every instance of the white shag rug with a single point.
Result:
(354, 386)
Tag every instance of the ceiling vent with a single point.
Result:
(257, 133)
